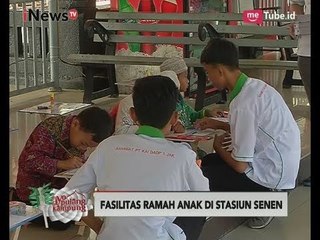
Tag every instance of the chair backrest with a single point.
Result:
(253, 35)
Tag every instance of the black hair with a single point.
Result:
(154, 99)
(96, 121)
(220, 51)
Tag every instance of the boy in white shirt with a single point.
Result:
(264, 151)
(110, 168)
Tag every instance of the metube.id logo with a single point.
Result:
(252, 16)
(28, 15)
(257, 16)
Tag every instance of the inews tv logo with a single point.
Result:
(257, 16)
(72, 14)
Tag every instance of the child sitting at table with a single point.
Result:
(261, 151)
(176, 70)
(57, 144)
(187, 115)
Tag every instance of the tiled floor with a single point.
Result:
(294, 227)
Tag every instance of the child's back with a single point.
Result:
(144, 161)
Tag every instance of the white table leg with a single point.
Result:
(16, 233)
(82, 227)
(92, 235)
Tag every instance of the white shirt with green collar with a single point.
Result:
(264, 134)
(144, 161)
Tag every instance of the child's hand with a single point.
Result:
(201, 123)
(224, 141)
(71, 163)
(178, 128)
(205, 123)
(216, 113)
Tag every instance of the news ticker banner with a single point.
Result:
(220, 204)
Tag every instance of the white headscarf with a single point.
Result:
(176, 64)
(173, 76)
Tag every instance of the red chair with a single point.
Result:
(113, 113)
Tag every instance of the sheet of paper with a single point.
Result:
(192, 135)
(221, 119)
(67, 174)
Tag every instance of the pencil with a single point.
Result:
(66, 150)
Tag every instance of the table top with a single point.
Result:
(17, 221)
(193, 135)
(59, 108)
